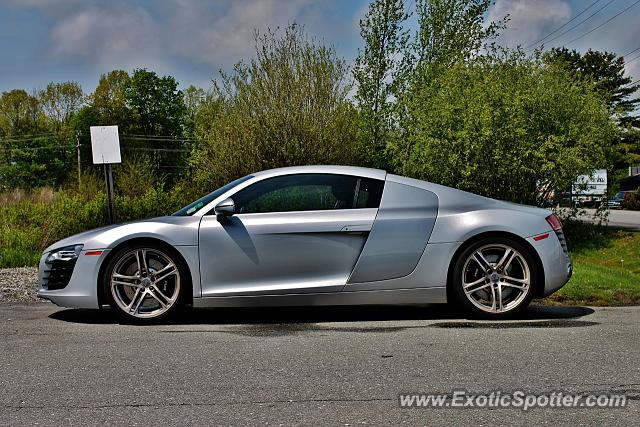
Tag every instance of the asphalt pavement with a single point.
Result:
(310, 366)
(622, 219)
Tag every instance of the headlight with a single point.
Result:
(68, 253)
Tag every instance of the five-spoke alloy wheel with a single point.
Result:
(144, 283)
(494, 278)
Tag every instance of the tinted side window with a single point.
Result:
(369, 193)
(304, 192)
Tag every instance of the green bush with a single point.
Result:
(288, 106)
(632, 202)
(135, 177)
(583, 235)
(18, 247)
(30, 225)
(154, 202)
(503, 127)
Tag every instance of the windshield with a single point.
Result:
(205, 200)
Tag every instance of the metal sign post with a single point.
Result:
(105, 147)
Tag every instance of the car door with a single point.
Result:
(299, 233)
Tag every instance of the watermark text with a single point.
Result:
(517, 399)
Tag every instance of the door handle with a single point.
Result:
(356, 228)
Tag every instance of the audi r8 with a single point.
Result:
(315, 235)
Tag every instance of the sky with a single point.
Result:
(61, 40)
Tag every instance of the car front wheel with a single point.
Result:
(495, 278)
(143, 283)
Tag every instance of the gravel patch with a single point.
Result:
(18, 285)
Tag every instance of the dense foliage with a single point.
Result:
(29, 224)
(287, 106)
(478, 125)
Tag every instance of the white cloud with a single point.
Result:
(116, 36)
(222, 36)
(120, 34)
(530, 20)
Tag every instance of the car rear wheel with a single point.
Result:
(494, 278)
(143, 283)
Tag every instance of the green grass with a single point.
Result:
(18, 257)
(29, 225)
(606, 273)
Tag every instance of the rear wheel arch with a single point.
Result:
(153, 242)
(497, 234)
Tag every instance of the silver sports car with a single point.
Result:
(315, 235)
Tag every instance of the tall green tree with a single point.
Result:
(194, 98)
(394, 60)
(202, 107)
(21, 113)
(106, 106)
(33, 156)
(60, 101)
(607, 71)
(286, 106)
(109, 99)
(156, 104)
(452, 30)
(505, 127)
(380, 69)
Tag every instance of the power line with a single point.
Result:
(563, 25)
(124, 147)
(581, 22)
(156, 149)
(37, 134)
(629, 53)
(60, 147)
(21, 139)
(157, 137)
(605, 22)
(152, 136)
(632, 59)
(136, 138)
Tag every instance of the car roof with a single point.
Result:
(331, 169)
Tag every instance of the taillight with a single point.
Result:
(554, 222)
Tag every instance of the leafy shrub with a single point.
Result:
(154, 202)
(288, 106)
(135, 177)
(31, 224)
(91, 183)
(583, 235)
(632, 201)
(503, 127)
(70, 214)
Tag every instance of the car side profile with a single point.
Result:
(315, 235)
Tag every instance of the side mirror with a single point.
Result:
(225, 208)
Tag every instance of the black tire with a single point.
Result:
(174, 291)
(468, 271)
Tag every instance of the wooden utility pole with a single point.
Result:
(78, 150)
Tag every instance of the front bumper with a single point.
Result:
(81, 292)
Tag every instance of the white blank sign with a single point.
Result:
(105, 144)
